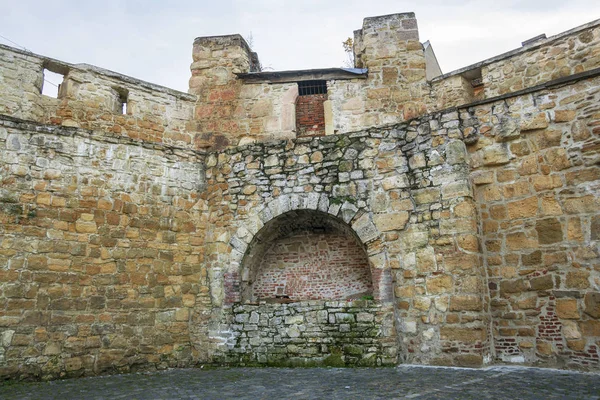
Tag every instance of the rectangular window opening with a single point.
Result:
(307, 88)
(476, 78)
(52, 83)
(122, 97)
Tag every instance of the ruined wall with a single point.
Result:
(565, 54)
(229, 112)
(101, 264)
(404, 191)
(395, 89)
(91, 98)
(535, 167)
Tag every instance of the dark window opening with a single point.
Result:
(307, 88)
(122, 97)
(477, 82)
(476, 78)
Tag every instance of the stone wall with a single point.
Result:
(310, 333)
(21, 84)
(565, 54)
(122, 248)
(92, 98)
(232, 111)
(101, 264)
(535, 167)
(403, 191)
(229, 112)
(396, 87)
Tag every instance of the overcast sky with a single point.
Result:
(152, 40)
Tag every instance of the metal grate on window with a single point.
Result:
(306, 88)
(477, 82)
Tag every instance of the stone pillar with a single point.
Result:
(436, 259)
(388, 46)
(216, 60)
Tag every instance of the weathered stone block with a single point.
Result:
(526, 208)
(391, 221)
(514, 286)
(592, 304)
(460, 334)
(535, 121)
(439, 284)
(549, 231)
(567, 308)
(465, 303)
(542, 283)
(590, 328)
(578, 279)
(495, 154)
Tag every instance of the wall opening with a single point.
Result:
(310, 112)
(121, 100)
(52, 83)
(305, 255)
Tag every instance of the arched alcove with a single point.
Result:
(305, 255)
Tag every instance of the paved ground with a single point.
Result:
(405, 382)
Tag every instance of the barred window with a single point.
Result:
(307, 88)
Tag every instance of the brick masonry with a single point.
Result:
(310, 115)
(308, 266)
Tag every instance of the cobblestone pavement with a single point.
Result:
(405, 382)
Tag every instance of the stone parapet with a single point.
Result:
(562, 55)
(94, 98)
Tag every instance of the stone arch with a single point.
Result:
(305, 255)
(343, 214)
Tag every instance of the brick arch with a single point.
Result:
(358, 221)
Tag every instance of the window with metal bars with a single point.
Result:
(306, 88)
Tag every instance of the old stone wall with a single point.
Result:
(94, 98)
(231, 111)
(124, 248)
(565, 54)
(535, 167)
(309, 333)
(21, 84)
(405, 193)
(101, 264)
(396, 87)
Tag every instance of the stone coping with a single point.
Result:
(325, 74)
